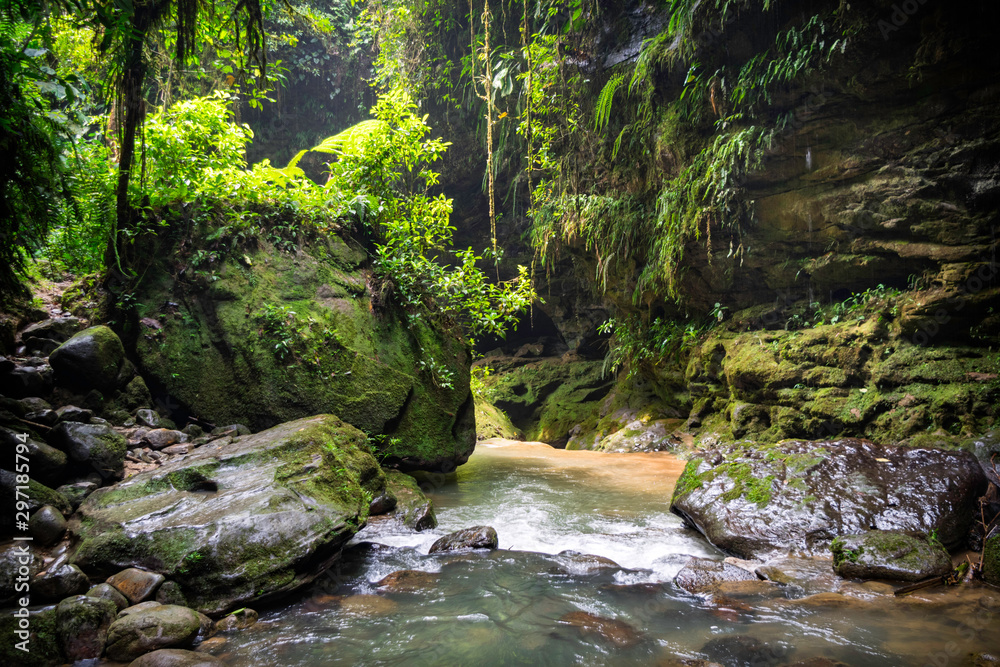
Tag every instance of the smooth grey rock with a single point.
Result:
(161, 438)
(47, 525)
(148, 418)
(145, 631)
(82, 623)
(476, 537)
(13, 557)
(59, 582)
(699, 575)
(91, 358)
(71, 413)
(237, 621)
(96, 444)
(109, 592)
(174, 657)
(45, 461)
(43, 417)
(57, 328)
(34, 404)
(232, 429)
(27, 381)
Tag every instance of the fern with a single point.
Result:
(602, 114)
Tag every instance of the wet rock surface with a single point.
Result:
(151, 629)
(700, 575)
(246, 520)
(83, 622)
(477, 537)
(412, 508)
(799, 495)
(889, 555)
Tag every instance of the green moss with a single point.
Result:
(841, 553)
(745, 484)
(689, 480)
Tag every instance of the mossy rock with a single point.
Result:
(250, 520)
(91, 358)
(42, 645)
(755, 500)
(886, 554)
(271, 336)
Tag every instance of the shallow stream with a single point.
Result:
(530, 603)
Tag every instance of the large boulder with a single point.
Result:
(277, 336)
(413, 509)
(753, 500)
(231, 523)
(92, 358)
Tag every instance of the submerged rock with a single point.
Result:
(618, 633)
(699, 575)
(799, 495)
(889, 555)
(248, 520)
(477, 537)
(744, 650)
(175, 657)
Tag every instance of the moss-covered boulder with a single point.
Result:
(991, 558)
(30, 641)
(754, 500)
(263, 336)
(92, 358)
(147, 630)
(413, 509)
(82, 623)
(243, 521)
(889, 554)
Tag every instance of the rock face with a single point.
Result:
(799, 495)
(280, 336)
(92, 358)
(889, 554)
(231, 523)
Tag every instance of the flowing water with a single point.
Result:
(535, 602)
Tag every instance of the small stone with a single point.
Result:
(240, 620)
(82, 623)
(193, 431)
(170, 592)
(175, 657)
(135, 584)
(47, 525)
(109, 592)
(408, 581)
(56, 328)
(212, 645)
(163, 437)
(180, 448)
(477, 537)
(149, 418)
(96, 444)
(161, 627)
(41, 346)
(71, 413)
(27, 381)
(60, 582)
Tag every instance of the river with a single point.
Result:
(532, 603)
